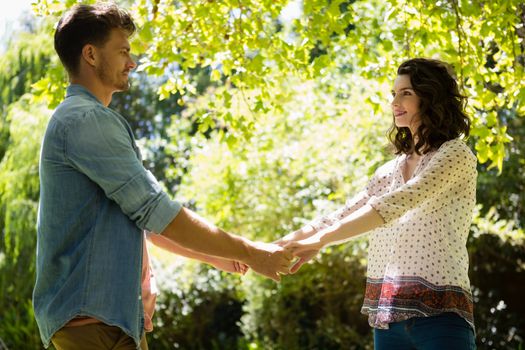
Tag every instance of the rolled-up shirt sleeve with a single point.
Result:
(101, 147)
(453, 163)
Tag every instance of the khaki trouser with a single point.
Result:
(98, 336)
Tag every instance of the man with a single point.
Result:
(96, 199)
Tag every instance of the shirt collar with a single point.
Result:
(77, 89)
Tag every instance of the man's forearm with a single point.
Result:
(167, 244)
(192, 232)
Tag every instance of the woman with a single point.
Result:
(418, 209)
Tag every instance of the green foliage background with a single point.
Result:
(260, 121)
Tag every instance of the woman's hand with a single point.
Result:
(304, 257)
(308, 244)
(305, 250)
(301, 234)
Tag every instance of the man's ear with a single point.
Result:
(89, 54)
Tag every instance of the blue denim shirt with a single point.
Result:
(95, 199)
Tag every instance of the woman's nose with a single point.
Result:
(395, 101)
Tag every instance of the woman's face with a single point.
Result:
(405, 104)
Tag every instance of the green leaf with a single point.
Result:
(215, 75)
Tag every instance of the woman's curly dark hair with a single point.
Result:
(441, 108)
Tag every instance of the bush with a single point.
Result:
(497, 275)
(19, 191)
(318, 308)
(198, 308)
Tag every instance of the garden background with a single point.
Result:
(261, 115)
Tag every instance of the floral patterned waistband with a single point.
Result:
(396, 299)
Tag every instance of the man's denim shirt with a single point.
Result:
(95, 200)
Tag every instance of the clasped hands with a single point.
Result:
(282, 257)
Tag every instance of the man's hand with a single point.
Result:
(229, 265)
(269, 260)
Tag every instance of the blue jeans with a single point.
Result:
(446, 331)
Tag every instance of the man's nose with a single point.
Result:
(132, 64)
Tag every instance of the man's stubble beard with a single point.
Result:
(107, 78)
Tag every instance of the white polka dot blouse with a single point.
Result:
(418, 261)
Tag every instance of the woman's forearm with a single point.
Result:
(302, 233)
(361, 221)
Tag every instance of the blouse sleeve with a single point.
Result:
(453, 163)
(350, 206)
(377, 185)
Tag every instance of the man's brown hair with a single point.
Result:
(88, 24)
